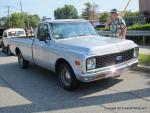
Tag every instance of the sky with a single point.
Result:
(46, 7)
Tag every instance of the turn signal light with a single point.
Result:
(77, 62)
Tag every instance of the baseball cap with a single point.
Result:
(114, 11)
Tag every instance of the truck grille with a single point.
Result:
(115, 58)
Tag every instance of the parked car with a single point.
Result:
(8, 34)
(1, 36)
(74, 50)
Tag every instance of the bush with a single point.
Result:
(139, 27)
(134, 27)
(144, 59)
(103, 29)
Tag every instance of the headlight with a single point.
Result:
(136, 52)
(91, 63)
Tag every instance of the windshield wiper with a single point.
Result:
(83, 35)
(87, 34)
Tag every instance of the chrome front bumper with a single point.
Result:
(110, 71)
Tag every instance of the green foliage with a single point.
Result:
(17, 20)
(33, 20)
(66, 12)
(104, 16)
(144, 59)
(139, 27)
(134, 27)
(3, 22)
(130, 13)
(20, 20)
(90, 11)
(103, 29)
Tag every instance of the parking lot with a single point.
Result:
(37, 90)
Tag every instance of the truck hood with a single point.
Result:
(95, 45)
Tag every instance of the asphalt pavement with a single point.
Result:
(37, 90)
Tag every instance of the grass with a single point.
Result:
(144, 59)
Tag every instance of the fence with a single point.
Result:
(131, 33)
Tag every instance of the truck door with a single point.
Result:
(41, 46)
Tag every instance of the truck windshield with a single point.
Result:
(72, 29)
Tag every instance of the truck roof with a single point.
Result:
(63, 20)
(14, 29)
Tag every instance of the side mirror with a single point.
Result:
(42, 39)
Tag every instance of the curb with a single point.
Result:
(143, 66)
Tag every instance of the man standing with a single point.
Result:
(117, 25)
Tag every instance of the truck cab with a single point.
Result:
(8, 34)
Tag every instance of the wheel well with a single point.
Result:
(59, 61)
(17, 50)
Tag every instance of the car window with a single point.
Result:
(20, 33)
(5, 34)
(43, 31)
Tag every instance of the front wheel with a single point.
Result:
(67, 77)
(22, 62)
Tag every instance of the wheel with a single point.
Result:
(22, 62)
(67, 77)
(3, 47)
(8, 51)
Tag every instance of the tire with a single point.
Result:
(22, 62)
(3, 47)
(67, 77)
(8, 51)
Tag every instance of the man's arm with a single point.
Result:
(123, 29)
(123, 32)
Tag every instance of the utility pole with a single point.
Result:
(21, 6)
(24, 18)
(8, 16)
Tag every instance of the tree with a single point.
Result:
(66, 12)
(20, 20)
(32, 20)
(90, 11)
(3, 22)
(17, 20)
(104, 16)
(130, 13)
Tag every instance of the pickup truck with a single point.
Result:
(8, 34)
(74, 50)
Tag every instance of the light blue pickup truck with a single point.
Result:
(74, 50)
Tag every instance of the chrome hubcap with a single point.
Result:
(65, 76)
(20, 60)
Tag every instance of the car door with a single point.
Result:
(42, 46)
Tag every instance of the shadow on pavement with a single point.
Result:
(145, 71)
(41, 88)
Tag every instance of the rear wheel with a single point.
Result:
(8, 51)
(3, 47)
(67, 77)
(22, 62)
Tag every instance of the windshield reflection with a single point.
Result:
(72, 29)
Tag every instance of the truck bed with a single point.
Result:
(24, 44)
